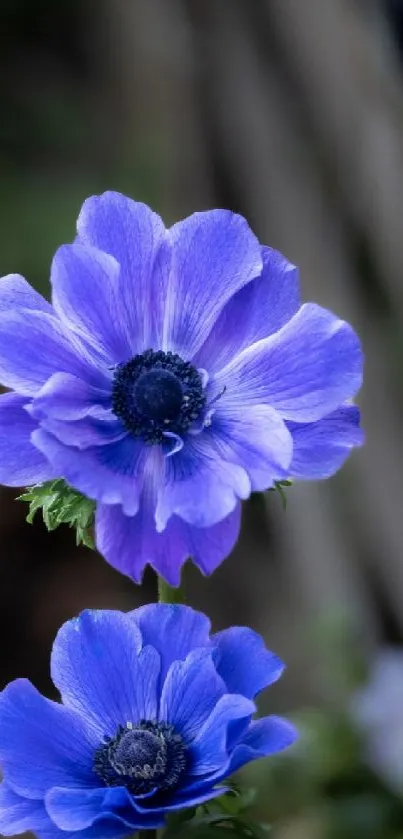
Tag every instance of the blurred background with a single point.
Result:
(290, 112)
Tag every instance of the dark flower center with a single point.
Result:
(146, 757)
(156, 392)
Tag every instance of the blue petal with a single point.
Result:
(62, 743)
(86, 297)
(173, 630)
(137, 238)
(21, 463)
(66, 397)
(320, 448)
(243, 661)
(201, 487)
(16, 293)
(214, 255)
(304, 371)
(262, 307)
(191, 691)
(33, 346)
(101, 673)
(182, 801)
(108, 473)
(79, 809)
(258, 440)
(264, 737)
(210, 749)
(129, 543)
(19, 814)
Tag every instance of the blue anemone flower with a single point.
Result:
(174, 373)
(156, 714)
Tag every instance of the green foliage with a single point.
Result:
(60, 504)
(225, 816)
(279, 487)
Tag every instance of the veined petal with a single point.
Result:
(200, 486)
(16, 293)
(111, 474)
(191, 691)
(304, 371)
(62, 743)
(101, 671)
(86, 297)
(260, 308)
(136, 237)
(320, 448)
(210, 748)
(243, 662)
(19, 814)
(130, 543)
(264, 737)
(256, 439)
(33, 346)
(173, 630)
(21, 463)
(214, 254)
(77, 810)
(66, 397)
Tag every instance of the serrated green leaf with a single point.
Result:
(61, 504)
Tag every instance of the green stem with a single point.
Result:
(147, 834)
(168, 594)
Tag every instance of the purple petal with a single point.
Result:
(108, 473)
(129, 543)
(19, 814)
(243, 661)
(200, 486)
(16, 293)
(66, 397)
(256, 439)
(75, 810)
(262, 307)
(191, 691)
(214, 254)
(209, 751)
(264, 737)
(86, 297)
(62, 743)
(304, 371)
(173, 630)
(86, 432)
(108, 689)
(21, 463)
(137, 238)
(33, 346)
(320, 448)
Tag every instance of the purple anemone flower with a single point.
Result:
(174, 373)
(155, 715)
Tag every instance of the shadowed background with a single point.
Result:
(290, 112)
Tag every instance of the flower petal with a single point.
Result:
(214, 254)
(191, 691)
(108, 473)
(320, 448)
(136, 237)
(62, 743)
(304, 371)
(173, 630)
(256, 439)
(19, 814)
(16, 293)
(33, 346)
(209, 750)
(264, 737)
(21, 463)
(101, 673)
(260, 308)
(66, 397)
(129, 543)
(242, 660)
(78, 809)
(200, 486)
(86, 297)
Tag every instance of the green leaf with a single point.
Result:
(217, 819)
(61, 504)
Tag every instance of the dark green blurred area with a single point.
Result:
(291, 113)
